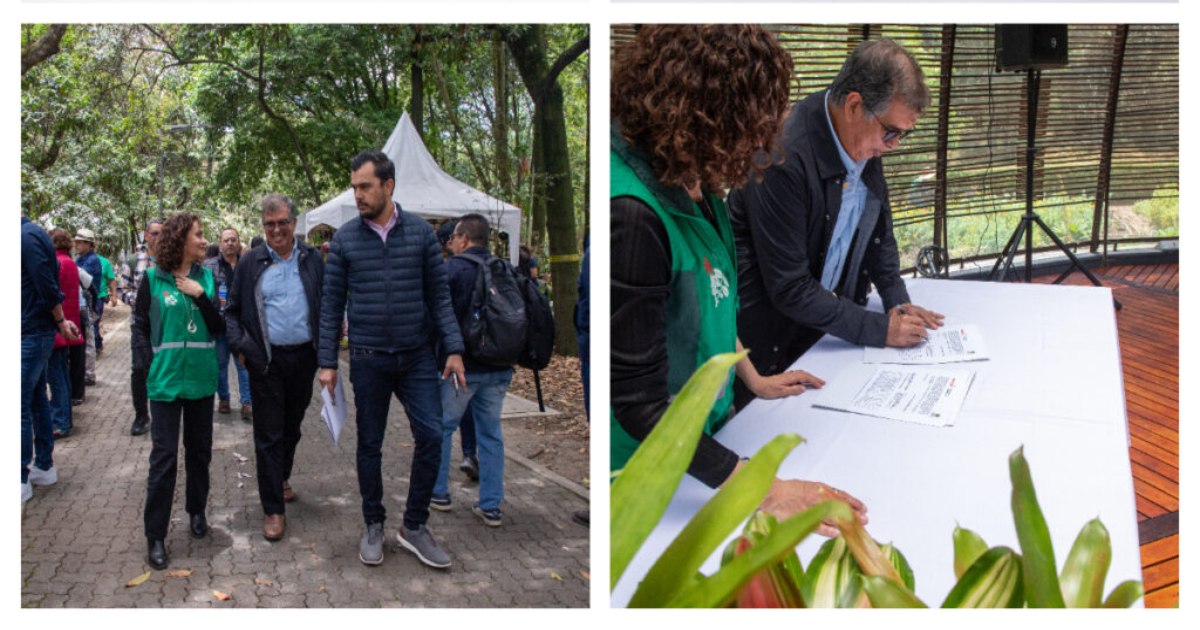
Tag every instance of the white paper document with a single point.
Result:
(924, 395)
(948, 344)
(334, 411)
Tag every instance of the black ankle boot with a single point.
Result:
(141, 424)
(157, 554)
(199, 526)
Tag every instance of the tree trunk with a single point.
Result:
(500, 124)
(416, 106)
(552, 161)
(44, 48)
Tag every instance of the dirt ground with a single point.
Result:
(559, 443)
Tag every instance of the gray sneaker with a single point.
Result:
(370, 548)
(420, 541)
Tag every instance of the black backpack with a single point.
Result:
(540, 344)
(497, 325)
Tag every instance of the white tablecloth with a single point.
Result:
(1053, 384)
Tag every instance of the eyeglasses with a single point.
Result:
(276, 225)
(891, 133)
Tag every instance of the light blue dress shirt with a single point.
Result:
(283, 300)
(854, 198)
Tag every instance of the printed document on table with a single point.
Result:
(334, 411)
(924, 395)
(948, 344)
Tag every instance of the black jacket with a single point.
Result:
(393, 294)
(783, 226)
(244, 317)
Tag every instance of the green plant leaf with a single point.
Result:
(775, 586)
(641, 493)
(968, 546)
(866, 551)
(737, 498)
(1037, 552)
(901, 564)
(721, 587)
(992, 581)
(1124, 595)
(1082, 577)
(885, 593)
(833, 577)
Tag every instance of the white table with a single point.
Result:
(1053, 384)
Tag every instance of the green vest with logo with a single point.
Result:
(185, 354)
(702, 308)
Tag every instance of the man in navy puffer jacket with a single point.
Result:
(387, 265)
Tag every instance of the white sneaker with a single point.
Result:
(26, 492)
(39, 477)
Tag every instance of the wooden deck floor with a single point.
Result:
(1148, 328)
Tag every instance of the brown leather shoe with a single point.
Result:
(247, 413)
(288, 495)
(273, 527)
(223, 405)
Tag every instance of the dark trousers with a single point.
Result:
(96, 323)
(281, 397)
(137, 388)
(197, 419)
(412, 377)
(466, 432)
(76, 365)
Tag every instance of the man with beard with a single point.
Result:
(387, 265)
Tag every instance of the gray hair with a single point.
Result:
(275, 202)
(881, 71)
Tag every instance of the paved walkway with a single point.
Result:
(82, 540)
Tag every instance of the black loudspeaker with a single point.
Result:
(1031, 46)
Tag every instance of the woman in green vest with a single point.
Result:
(696, 111)
(173, 330)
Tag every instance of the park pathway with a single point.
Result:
(82, 542)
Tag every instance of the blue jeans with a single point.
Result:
(58, 375)
(36, 431)
(411, 376)
(485, 399)
(96, 322)
(243, 377)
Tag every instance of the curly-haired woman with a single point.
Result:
(174, 327)
(696, 111)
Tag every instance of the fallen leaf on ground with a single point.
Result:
(179, 573)
(242, 459)
(263, 582)
(138, 580)
(222, 596)
(585, 574)
(556, 576)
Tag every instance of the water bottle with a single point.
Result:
(222, 293)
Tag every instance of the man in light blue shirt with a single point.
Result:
(271, 321)
(815, 234)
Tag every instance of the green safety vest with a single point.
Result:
(703, 302)
(185, 354)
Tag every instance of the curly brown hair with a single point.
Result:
(705, 103)
(173, 239)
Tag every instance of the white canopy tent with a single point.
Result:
(422, 188)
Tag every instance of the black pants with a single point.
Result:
(137, 388)
(76, 368)
(281, 397)
(197, 417)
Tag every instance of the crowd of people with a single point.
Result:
(399, 293)
(740, 220)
